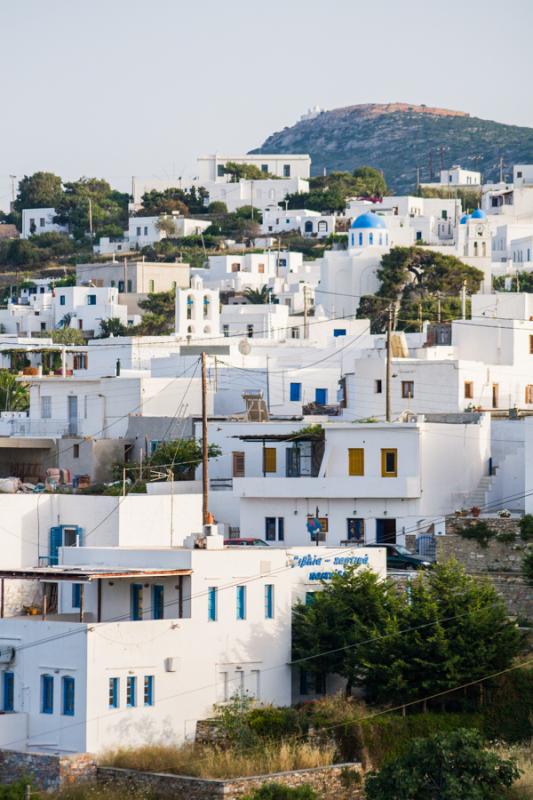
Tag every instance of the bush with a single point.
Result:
(444, 767)
(527, 567)
(276, 791)
(15, 791)
(270, 722)
(526, 528)
(508, 715)
(480, 532)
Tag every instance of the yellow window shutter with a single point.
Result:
(356, 461)
(389, 463)
(269, 459)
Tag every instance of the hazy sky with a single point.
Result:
(115, 88)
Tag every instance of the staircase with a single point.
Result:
(480, 495)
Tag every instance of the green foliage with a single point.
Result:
(470, 198)
(449, 630)
(479, 532)
(444, 767)
(67, 336)
(519, 282)
(247, 172)
(159, 314)
(525, 527)
(412, 276)
(217, 207)
(508, 713)
(109, 208)
(258, 297)
(506, 537)
(235, 226)
(16, 790)
(40, 190)
(329, 193)
(190, 201)
(276, 791)
(14, 395)
(112, 327)
(185, 455)
(527, 567)
(249, 212)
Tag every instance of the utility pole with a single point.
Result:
(268, 383)
(91, 217)
(463, 300)
(306, 330)
(13, 179)
(417, 177)
(438, 307)
(388, 374)
(205, 474)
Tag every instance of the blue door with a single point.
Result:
(56, 541)
(321, 397)
(386, 531)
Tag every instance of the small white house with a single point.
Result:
(310, 224)
(40, 220)
(212, 168)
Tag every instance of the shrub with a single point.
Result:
(15, 791)
(506, 537)
(444, 767)
(276, 791)
(527, 567)
(480, 532)
(508, 715)
(270, 722)
(526, 528)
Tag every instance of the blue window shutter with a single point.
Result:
(81, 536)
(148, 690)
(68, 688)
(212, 604)
(321, 397)
(9, 691)
(158, 602)
(56, 541)
(296, 392)
(241, 602)
(114, 687)
(339, 332)
(76, 595)
(269, 601)
(47, 694)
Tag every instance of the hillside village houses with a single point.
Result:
(294, 398)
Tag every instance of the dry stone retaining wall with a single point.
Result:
(338, 782)
(46, 771)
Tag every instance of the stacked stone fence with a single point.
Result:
(338, 782)
(47, 771)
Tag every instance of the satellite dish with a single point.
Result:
(245, 348)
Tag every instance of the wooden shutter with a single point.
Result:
(356, 461)
(238, 465)
(391, 455)
(269, 459)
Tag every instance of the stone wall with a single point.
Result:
(47, 771)
(496, 557)
(339, 782)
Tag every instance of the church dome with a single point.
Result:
(478, 214)
(368, 220)
(464, 219)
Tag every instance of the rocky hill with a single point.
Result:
(399, 138)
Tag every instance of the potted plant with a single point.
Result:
(504, 513)
(475, 511)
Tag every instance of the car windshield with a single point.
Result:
(402, 550)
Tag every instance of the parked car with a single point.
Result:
(246, 542)
(399, 557)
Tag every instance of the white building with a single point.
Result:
(249, 270)
(257, 193)
(80, 307)
(365, 482)
(457, 177)
(40, 220)
(197, 311)
(147, 231)
(347, 275)
(131, 276)
(212, 168)
(310, 224)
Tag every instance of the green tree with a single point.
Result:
(92, 197)
(112, 327)
(67, 335)
(185, 455)
(249, 212)
(353, 608)
(449, 630)
(14, 395)
(527, 567)
(159, 314)
(369, 182)
(258, 297)
(411, 276)
(217, 207)
(329, 193)
(167, 224)
(444, 767)
(173, 199)
(248, 172)
(40, 190)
